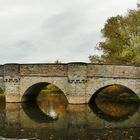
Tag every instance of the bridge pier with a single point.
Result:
(77, 78)
(12, 82)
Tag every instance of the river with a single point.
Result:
(52, 118)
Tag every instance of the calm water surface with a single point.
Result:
(51, 118)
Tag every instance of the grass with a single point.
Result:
(50, 89)
(47, 91)
(120, 96)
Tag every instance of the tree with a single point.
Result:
(122, 40)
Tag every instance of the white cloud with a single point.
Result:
(43, 31)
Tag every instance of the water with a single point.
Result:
(51, 118)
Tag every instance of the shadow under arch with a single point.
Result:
(110, 118)
(32, 92)
(31, 105)
(34, 113)
(126, 108)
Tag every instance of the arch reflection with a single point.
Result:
(113, 111)
(53, 104)
(33, 111)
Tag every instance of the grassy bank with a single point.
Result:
(47, 91)
(51, 89)
(118, 93)
(120, 97)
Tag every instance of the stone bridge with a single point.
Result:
(78, 81)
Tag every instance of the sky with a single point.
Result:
(43, 31)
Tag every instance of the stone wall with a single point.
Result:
(2, 87)
(1, 70)
(12, 82)
(1, 77)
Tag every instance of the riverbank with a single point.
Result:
(119, 98)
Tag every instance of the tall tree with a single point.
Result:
(122, 40)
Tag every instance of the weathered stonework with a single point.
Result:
(2, 77)
(78, 81)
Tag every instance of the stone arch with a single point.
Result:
(37, 85)
(102, 84)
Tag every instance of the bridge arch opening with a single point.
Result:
(45, 99)
(114, 102)
(33, 91)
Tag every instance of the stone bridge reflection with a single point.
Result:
(21, 119)
(18, 120)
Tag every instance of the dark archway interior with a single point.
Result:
(34, 112)
(32, 92)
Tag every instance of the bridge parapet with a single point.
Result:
(11, 70)
(51, 70)
(113, 71)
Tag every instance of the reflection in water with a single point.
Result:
(2, 116)
(52, 118)
(35, 113)
(48, 107)
(52, 104)
(114, 111)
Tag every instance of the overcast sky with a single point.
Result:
(41, 31)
